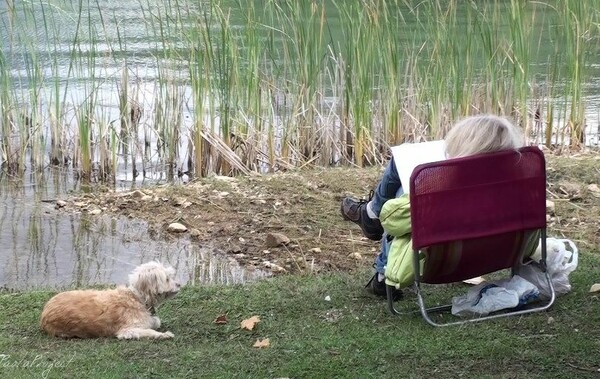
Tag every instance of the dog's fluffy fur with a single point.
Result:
(124, 312)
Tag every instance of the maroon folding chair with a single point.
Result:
(472, 216)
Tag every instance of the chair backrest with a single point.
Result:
(472, 215)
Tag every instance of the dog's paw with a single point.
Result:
(128, 335)
(166, 335)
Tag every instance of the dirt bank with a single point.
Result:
(290, 222)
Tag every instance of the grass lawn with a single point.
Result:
(350, 336)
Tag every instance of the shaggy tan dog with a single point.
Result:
(124, 312)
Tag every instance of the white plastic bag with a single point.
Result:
(562, 258)
(489, 297)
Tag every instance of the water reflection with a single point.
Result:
(41, 247)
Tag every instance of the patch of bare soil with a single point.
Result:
(291, 223)
(286, 222)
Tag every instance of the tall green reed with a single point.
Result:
(294, 61)
(199, 85)
(262, 79)
(579, 25)
(520, 57)
(360, 24)
(439, 70)
(168, 123)
(21, 98)
(214, 76)
(32, 123)
(7, 153)
(306, 23)
(224, 62)
(487, 28)
(85, 124)
(58, 137)
(84, 55)
(250, 127)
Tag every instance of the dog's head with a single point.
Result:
(154, 282)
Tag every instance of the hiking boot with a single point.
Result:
(378, 288)
(356, 211)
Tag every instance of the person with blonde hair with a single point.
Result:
(470, 136)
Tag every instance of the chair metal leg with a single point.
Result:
(390, 299)
(425, 312)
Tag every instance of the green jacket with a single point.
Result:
(395, 219)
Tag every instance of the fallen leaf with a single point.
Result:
(249, 323)
(221, 319)
(262, 343)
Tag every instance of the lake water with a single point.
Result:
(42, 247)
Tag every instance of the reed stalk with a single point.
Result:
(168, 123)
(246, 139)
(225, 63)
(85, 127)
(306, 23)
(551, 85)
(103, 150)
(6, 116)
(360, 25)
(199, 93)
(578, 19)
(520, 56)
(216, 78)
(490, 42)
(389, 83)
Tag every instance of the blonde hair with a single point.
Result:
(482, 134)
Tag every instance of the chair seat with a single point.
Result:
(461, 260)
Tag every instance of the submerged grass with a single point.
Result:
(274, 85)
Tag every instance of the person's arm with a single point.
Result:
(395, 216)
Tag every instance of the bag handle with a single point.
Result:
(571, 264)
